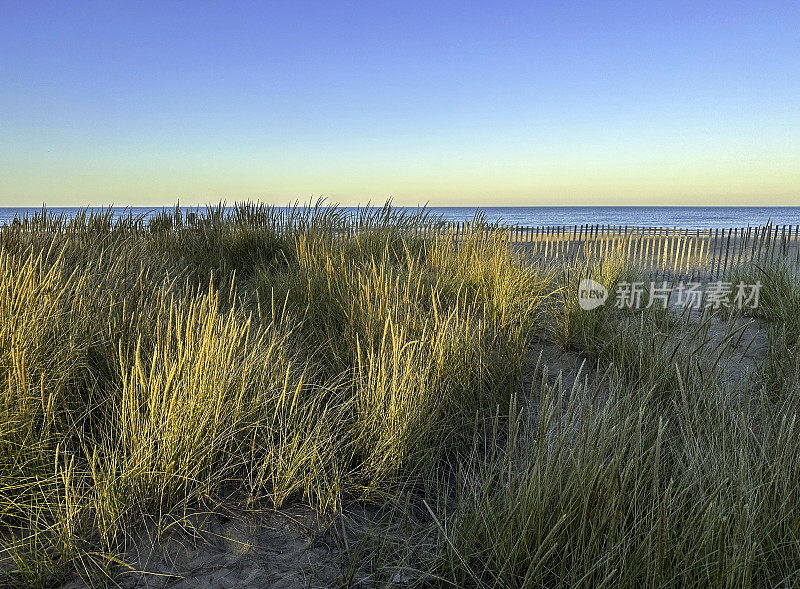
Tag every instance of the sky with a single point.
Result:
(446, 103)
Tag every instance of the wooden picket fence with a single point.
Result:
(675, 252)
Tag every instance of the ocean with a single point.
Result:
(687, 217)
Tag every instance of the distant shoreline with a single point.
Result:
(694, 217)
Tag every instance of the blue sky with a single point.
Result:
(451, 103)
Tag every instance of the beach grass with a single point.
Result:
(261, 358)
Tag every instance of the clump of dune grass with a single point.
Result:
(631, 493)
(660, 472)
(254, 355)
(657, 470)
(573, 327)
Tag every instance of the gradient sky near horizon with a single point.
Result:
(449, 103)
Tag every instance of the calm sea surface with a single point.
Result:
(690, 217)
